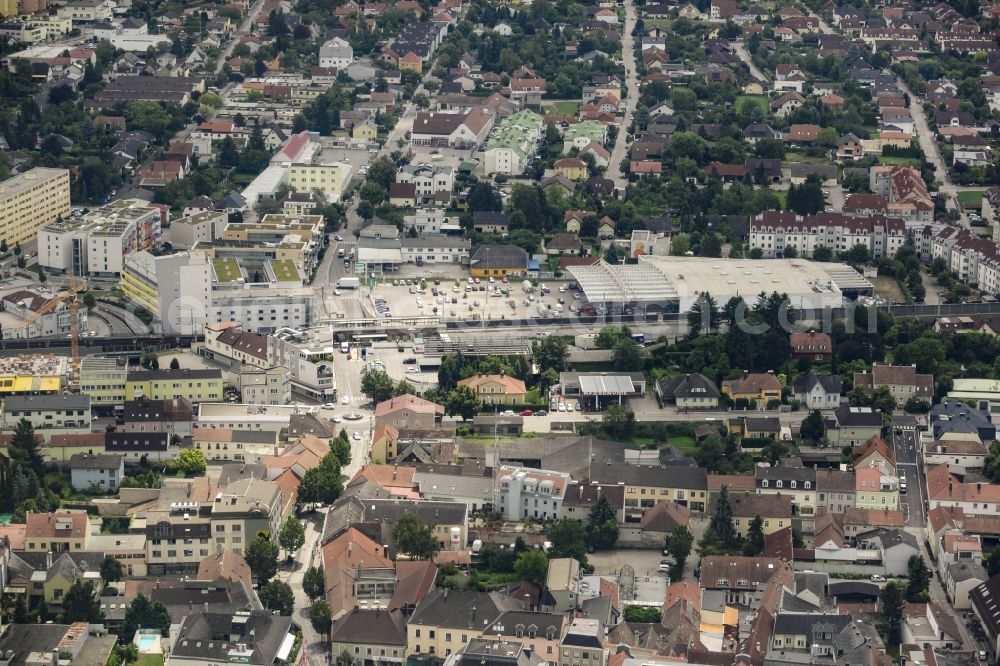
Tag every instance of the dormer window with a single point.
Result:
(806, 485)
(722, 582)
(792, 484)
(779, 484)
(763, 483)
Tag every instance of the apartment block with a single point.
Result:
(98, 243)
(175, 288)
(530, 493)
(329, 179)
(29, 314)
(774, 232)
(309, 361)
(32, 200)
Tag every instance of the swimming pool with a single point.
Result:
(148, 643)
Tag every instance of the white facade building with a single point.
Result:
(530, 493)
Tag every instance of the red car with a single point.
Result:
(527, 412)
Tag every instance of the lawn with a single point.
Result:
(912, 161)
(782, 196)
(760, 100)
(567, 108)
(149, 660)
(971, 198)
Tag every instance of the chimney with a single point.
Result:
(979, 487)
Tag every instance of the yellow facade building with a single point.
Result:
(32, 200)
(103, 379)
(196, 385)
(329, 179)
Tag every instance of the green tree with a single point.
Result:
(175, 364)
(704, 315)
(532, 565)
(602, 525)
(618, 422)
(262, 556)
(340, 446)
(813, 428)
(754, 544)
(80, 604)
(721, 527)
(292, 535)
(320, 617)
(314, 583)
(323, 483)
(111, 570)
(918, 581)
(569, 539)
(191, 461)
(377, 385)
(89, 300)
(415, 537)
(277, 596)
(627, 356)
(462, 401)
(893, 600)
(23, 448)
(679, 545)
(609, 336)
(643, 614)
(551, 353)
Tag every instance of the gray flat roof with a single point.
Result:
(604, 283)
(606, 385)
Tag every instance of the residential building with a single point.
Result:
(246, 446)
(173, 416)
(452, 130)
(895, 546)
(539, 632)
(583, 644)
(203, 226)
(336, 53)
(853, 426)
(811, 345)
(691, 391)
(876, 487)
(775, 510)
(797, 482)
(372, 636)
(953, 417)
(530, 493)
(905, 190)
(56, 532)
(330, 179)
(256, 638)
(945, 488)
(103, 380)
(835, 491)
(51, 642)
(563, 583)
(229, 343)
(774, 231)
(428, 179)
(758, 386)
(31, 200)
(904, 382)
(409, 412)
(29, 314)
(245, 510)
(818, 391)
(48, 414)
(985, 598)
(496, 652)
(196, 385)
(496, 389)
(101, 471)
(516, 141)
(645, 485)
(176, 288)
(98, 243)
(445, 621)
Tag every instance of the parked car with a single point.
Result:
(527, 412)
(876, 578)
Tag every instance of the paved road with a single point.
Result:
(243, 29)
(744, 55)
(292, 574)
(620, 149)
(905, 445)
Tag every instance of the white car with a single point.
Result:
(328, 405)
(357, 437)
(336, 419)
(345, 400)
(875, 578)
(336, 292)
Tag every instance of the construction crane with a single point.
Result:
(70, 298)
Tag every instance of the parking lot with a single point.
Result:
(461, 300)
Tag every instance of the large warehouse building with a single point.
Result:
(674, 283)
